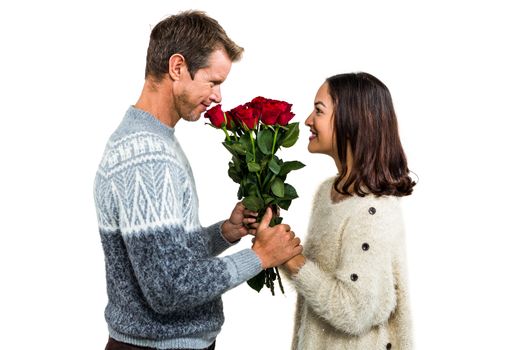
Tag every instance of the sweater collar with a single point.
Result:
(148, 122)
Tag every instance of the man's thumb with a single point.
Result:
(265, 221)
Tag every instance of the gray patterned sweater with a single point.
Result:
(164, 279)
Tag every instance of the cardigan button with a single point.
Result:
(388, 346)
(372, 210)
(365, 246)
(353, 277)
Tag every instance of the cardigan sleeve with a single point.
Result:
(360, 293)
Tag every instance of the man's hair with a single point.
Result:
(364, 118)
(192, 34)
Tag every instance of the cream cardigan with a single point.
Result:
(352, 290)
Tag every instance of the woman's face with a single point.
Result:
(320, 122)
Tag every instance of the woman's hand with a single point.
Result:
(294, 264)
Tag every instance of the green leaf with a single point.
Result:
(253, 203)
(250, 157)
(274, 166)
(250, 189)
(236, 162)
(235, 148)
(245, 141)
(265, 141)
(229, 148)
(267, 199)
(289, 166)
(263, 162)
(240, 193)
(290, 192)
(267, 181)
(291, 136)
(251, 178)
(284, 204)
(278, 187)
(277, 221)
(234, 175)
(257, 282)
(253, 167)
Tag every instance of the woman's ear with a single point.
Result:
(176, 65)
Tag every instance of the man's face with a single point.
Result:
(196, 95)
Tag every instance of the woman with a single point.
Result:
(351, 280)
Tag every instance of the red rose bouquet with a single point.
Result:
(254, 133)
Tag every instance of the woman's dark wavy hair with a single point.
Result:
(364, 117)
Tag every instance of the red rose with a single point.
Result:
(230, 125)
(285, 117)
(245, 114)
(216, 116)
(273, 111)
(258, 102)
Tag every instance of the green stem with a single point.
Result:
(226, 133)
(224, 127)
(253, 146)
(258, 173)
(275, 139)
(279, 279)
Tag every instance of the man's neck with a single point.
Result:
(156, 99)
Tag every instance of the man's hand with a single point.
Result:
(275, 245)
(236, 227)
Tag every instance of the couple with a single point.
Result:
(164, 279)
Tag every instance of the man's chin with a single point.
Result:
(192, 117)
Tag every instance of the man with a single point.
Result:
(164, 279)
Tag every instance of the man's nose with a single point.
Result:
(216, 94)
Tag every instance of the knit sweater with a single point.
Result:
(164, 279)
(352, 290)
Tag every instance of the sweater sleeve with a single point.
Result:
(360, 293)
(217, 242)
(167, 248)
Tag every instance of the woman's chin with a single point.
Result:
(312, 148)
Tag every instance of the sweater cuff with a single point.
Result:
(219, 242)
(309, 275)
(242, 266)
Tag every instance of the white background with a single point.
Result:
(69, 70)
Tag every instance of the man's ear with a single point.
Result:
(177, 64)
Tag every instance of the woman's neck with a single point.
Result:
(336, 194)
